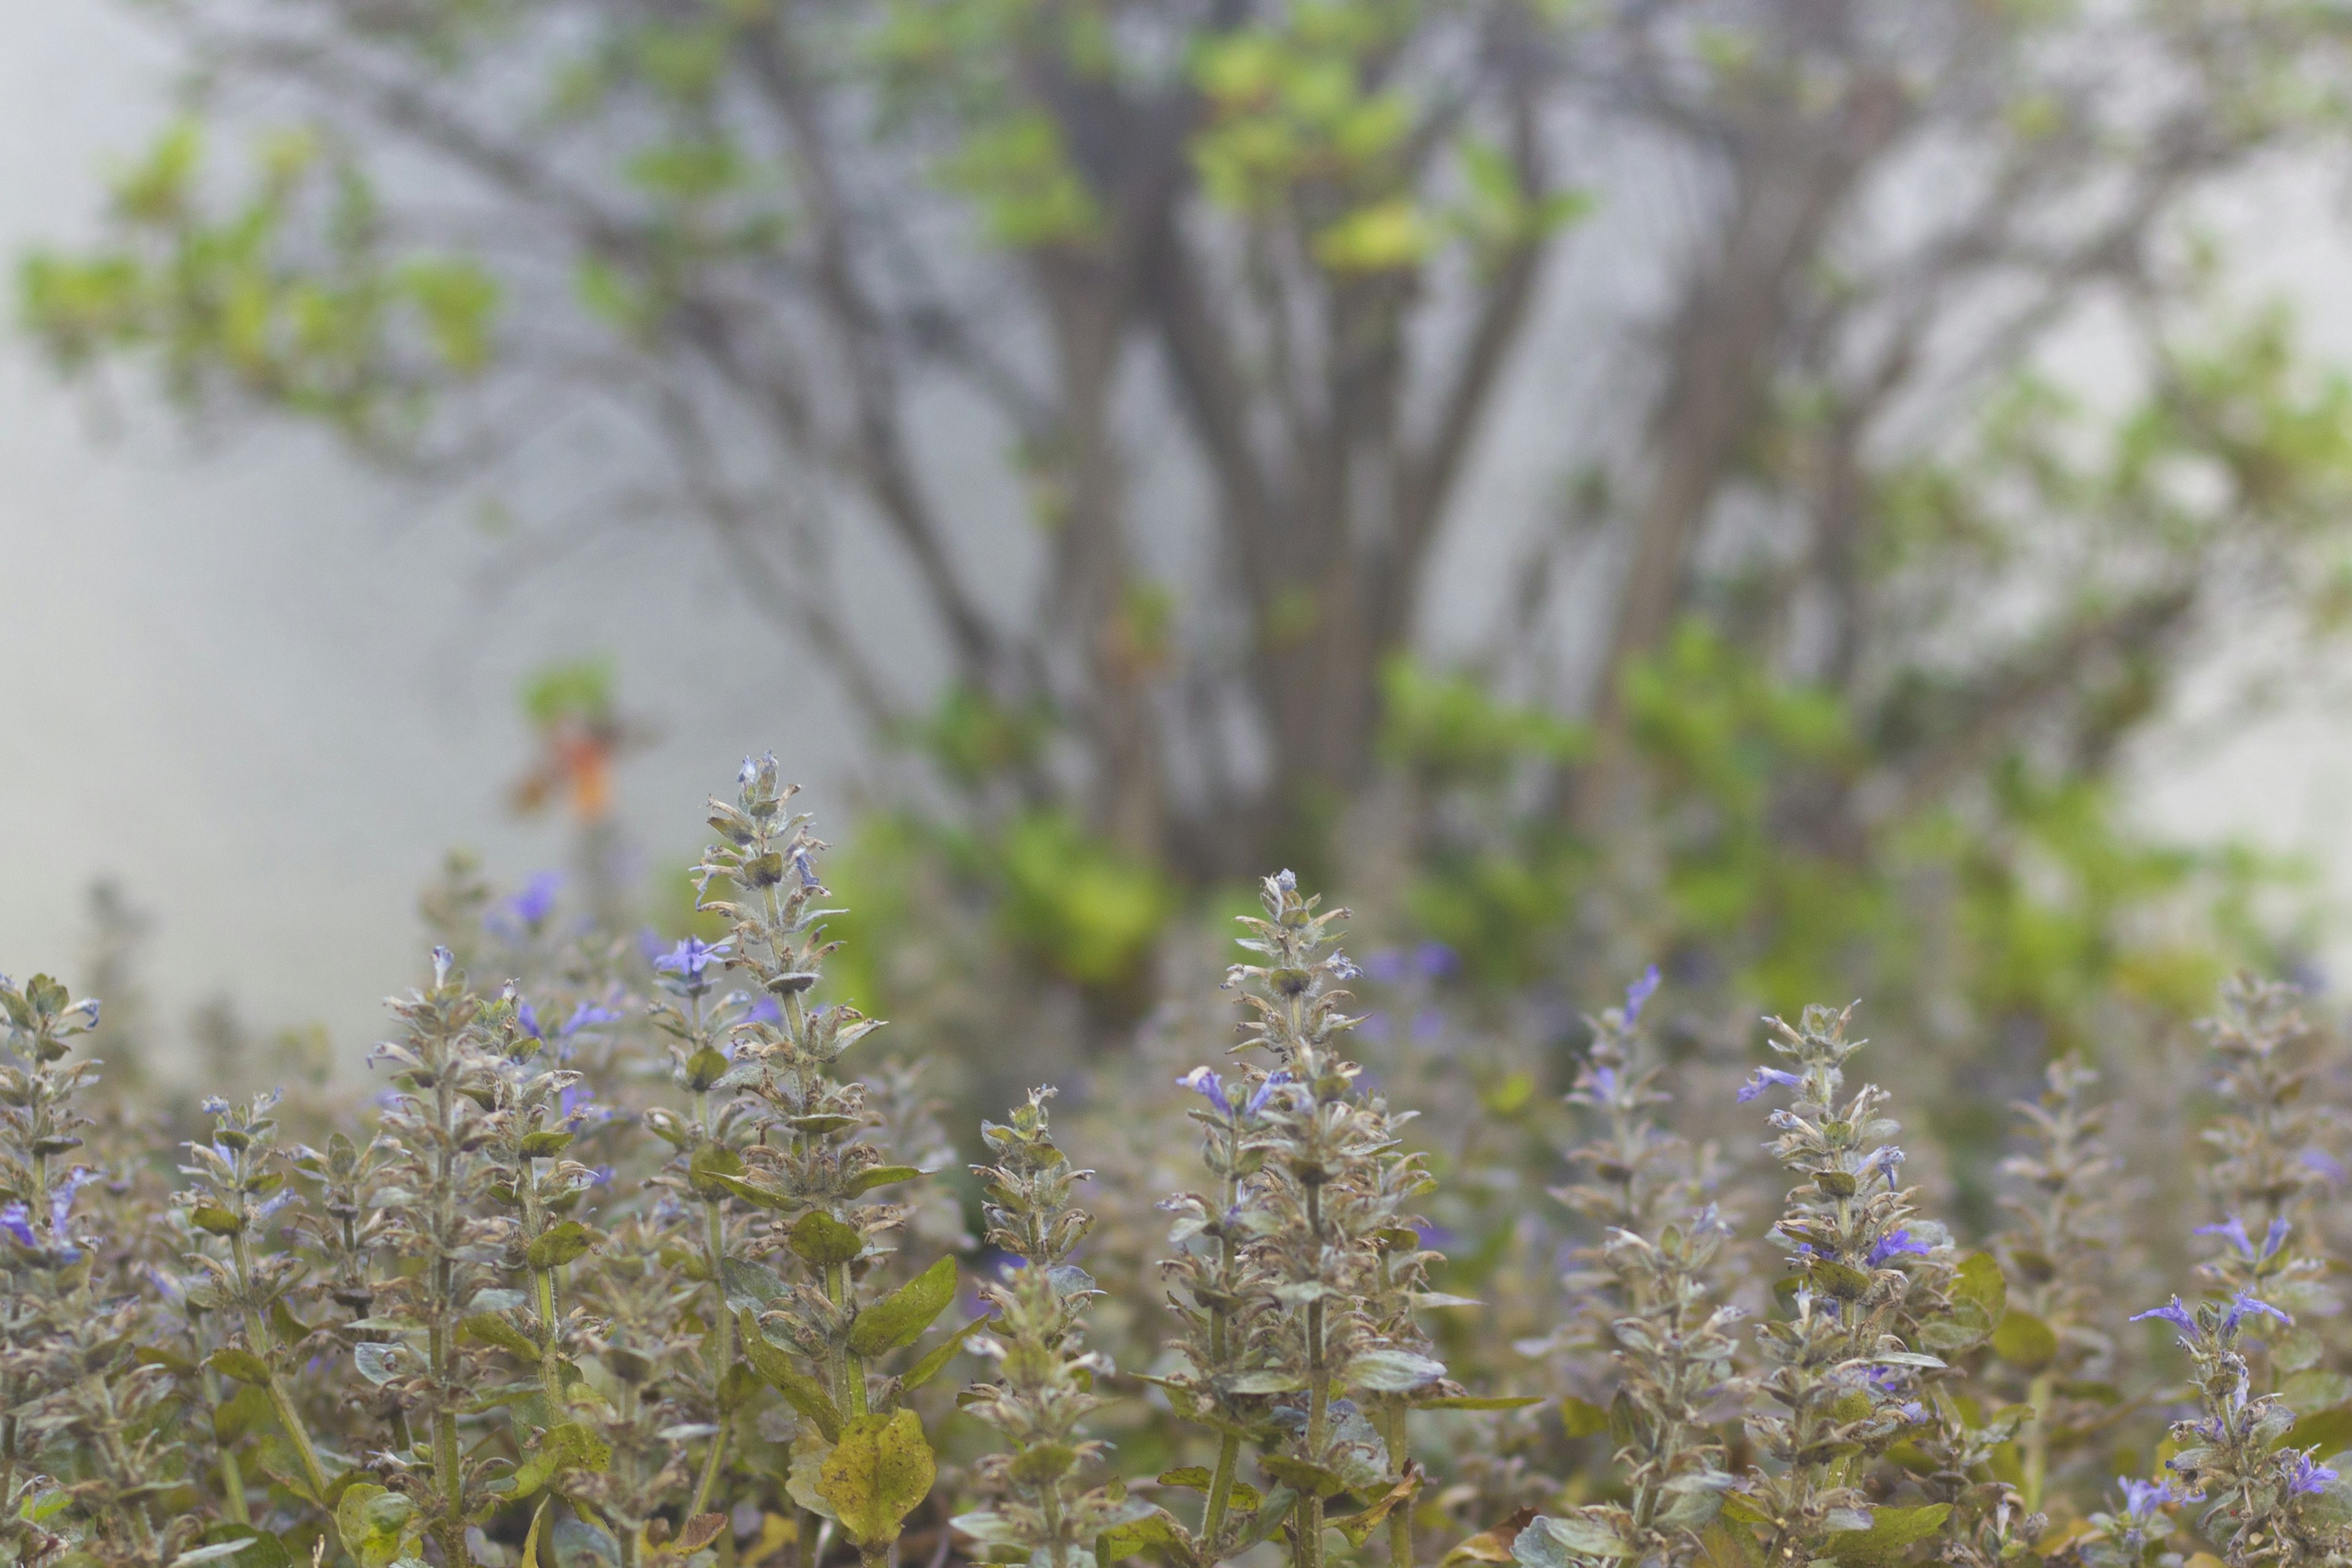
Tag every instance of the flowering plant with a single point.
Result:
(666, 1284)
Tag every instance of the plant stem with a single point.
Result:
(2037, 1441)
(281, 1404)
(1393, 1413)
(1319, 1406)
(1221, 1495)
(714, 1245)
(232, 1486)
(449, 1529)
(1229, 1444)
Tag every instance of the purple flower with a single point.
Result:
(1638, 994)
(806, 867)
(577, 1105)
(2234, 1229)
(275, 1200)
(537, 900)
(588, 1015)
(765, 1011)
(2172, 1313)
(750, 770)
(62, 1196)
(1436, 961)
(1888, 1156)
(1912, 1411)
(1386, 966)
(17, 1220)
(1896, 1244)
(527, 1017)
(1204, 1082)
(443, 960)
(689, 959)
(2326, 1164)
(1764, 1079)
(2243, 1306)
(2142, 1499)
(1428, 1023)
(1603, 1082)
(1264, 1091)
(2306, 1476)
(1285, 880)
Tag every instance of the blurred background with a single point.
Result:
(1833, 500)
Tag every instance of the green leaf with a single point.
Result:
(493, 1330)
(810, 1449)
(262, 1550)
(1357, 1527)
(749, 1284)
(545, 1145)
(1582, 1417)
(736, 1186)
(2024, 1341)
(246, 1410)
(709, 1164)
(703, 1069)
(802, 1392)
(900, 1317)
(556, 1247)
(1392, 1372)
(1246, 1496)
(935, 1359)
(1154, 1529)
(1488, 1401)
(377, 1525)
(1554, 1541)
(874, 1176)
(1893, 1532)
(216, 1219)
(570, 1446)
(530, 1558)
(1302, 1475)
(1978, 1280)
(156, 1355)
(241, 1365)
(2329, 1431)
(824, 1242)
(879, 1472)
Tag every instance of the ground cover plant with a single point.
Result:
(649, 1255)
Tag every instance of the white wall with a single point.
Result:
(250, 686)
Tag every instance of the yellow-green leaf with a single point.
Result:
(878, 1474)
(377, 1525)
(2024, 1341)
(824, 1241)
(900, 1317)
(802, 1392)
(1893, 1532)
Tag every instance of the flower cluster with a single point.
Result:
(637, 1260)
(1047, 1503)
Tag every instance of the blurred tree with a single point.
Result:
(1238, 289)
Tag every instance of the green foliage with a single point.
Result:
(1074, 903)
(578, 691)
(289, 298)
(1451, 730)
